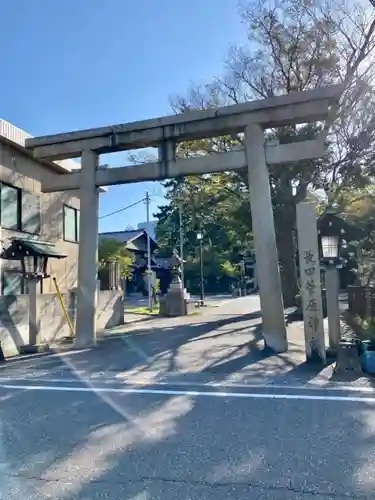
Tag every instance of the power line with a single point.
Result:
(122, 209)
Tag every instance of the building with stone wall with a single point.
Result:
(26, 212)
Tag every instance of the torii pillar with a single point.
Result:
(270, 292)
(251, 118)
(88, 252)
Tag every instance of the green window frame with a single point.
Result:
(71, 224)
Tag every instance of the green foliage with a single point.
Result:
(214, 206)
(365, 328)
(292, 46)
(113, 251)
(143, 310)
(229, 269)
(357, 206)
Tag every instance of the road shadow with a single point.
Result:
(216, 347)
(180, 445)
(117, 354)
(78, 445)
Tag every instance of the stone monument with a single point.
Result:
(177, 301)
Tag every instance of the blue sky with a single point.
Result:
(72, 64)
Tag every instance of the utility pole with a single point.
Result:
(181, 241)
(148, 251)
(200, 239)
(201, 270)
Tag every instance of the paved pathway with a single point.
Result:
(186, 409)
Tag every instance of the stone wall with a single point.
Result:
(14, 328)
(14, 317)
(109, 309)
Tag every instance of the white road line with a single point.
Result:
(177, 392)
(116, 380)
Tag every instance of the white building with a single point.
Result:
(27, 213)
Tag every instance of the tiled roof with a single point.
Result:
(124, 236)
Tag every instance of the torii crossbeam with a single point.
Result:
(250, 118)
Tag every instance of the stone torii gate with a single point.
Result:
(250, 118)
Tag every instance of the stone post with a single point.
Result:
(34, 320)
(333, 309)
(88, 252)
(271, 301)
(309, 266)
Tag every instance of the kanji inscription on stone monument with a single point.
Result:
(310, 281)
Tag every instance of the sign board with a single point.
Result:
(310, 282)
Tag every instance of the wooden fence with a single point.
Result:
(362, 301)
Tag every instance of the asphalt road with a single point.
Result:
(68, 432)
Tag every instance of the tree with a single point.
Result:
(111, 250)
(211, 206)
(357, 206)
(296, 45)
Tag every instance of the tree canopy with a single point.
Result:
(111, 250)
(293, 45)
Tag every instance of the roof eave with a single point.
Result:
(47, 163)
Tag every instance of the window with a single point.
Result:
(71, 224)
(19, 210)
(78, 219)
(10, 207)
(31, 218)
